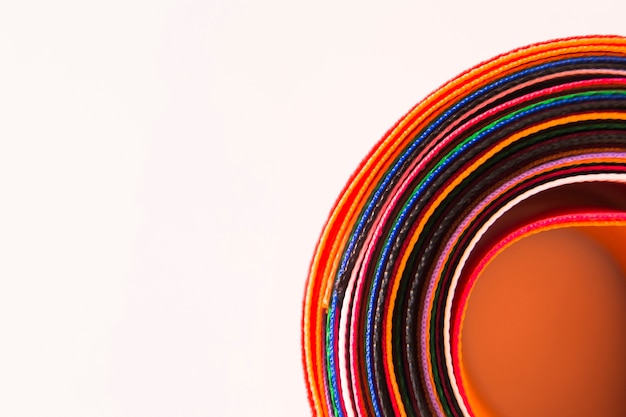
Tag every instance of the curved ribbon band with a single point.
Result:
(468, 167)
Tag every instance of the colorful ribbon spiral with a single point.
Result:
(457, 179)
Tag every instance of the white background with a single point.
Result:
(166, 167)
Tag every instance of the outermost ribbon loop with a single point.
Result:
(434, 199)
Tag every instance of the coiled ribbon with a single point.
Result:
(534, 139)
